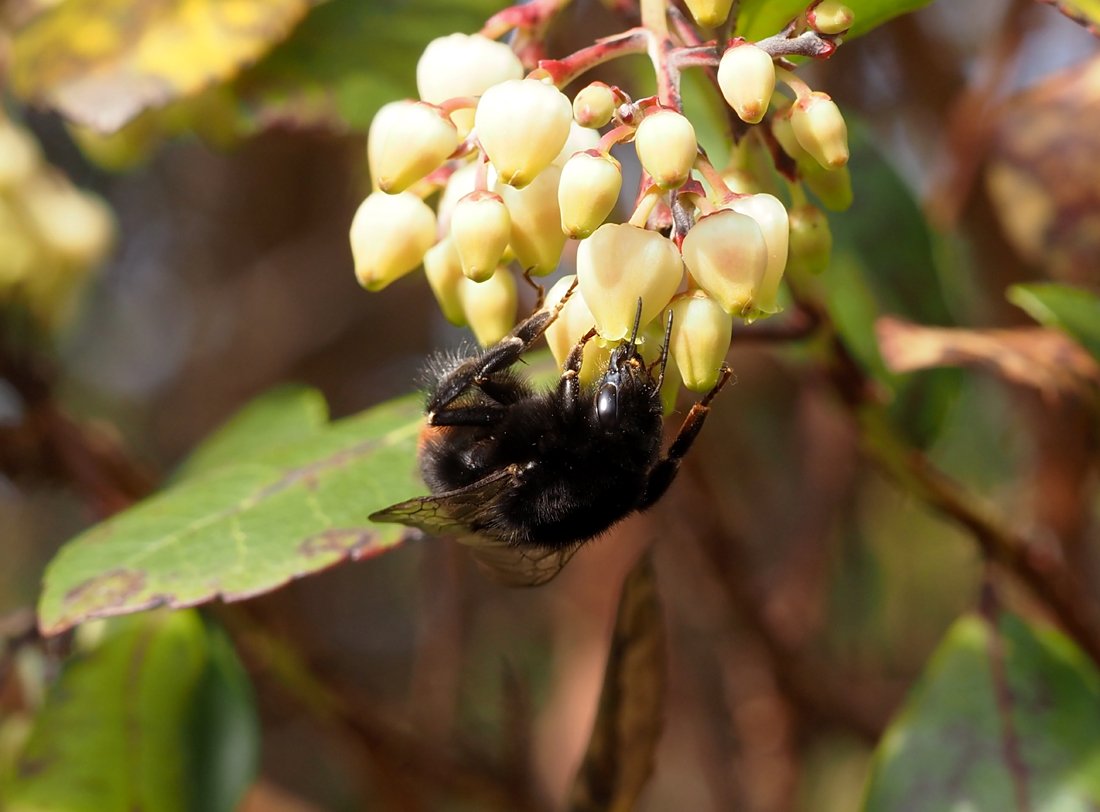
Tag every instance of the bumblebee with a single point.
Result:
(525, 477)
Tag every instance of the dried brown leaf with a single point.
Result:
(621, 751)
(1036, 357)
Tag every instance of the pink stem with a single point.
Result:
(565, 70)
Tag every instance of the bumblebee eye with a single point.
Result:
(607, 406)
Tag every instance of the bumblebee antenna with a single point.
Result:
(663, 360)
(637, 323)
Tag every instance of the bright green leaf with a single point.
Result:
(240, 530)
(762, 18)
(1003, 711)
(103, 62)
(1073, 310)
(111, 736)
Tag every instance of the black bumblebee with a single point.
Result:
(525, 477)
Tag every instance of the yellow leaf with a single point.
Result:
(102, 62)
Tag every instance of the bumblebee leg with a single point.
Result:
(569, 384)
(477, 370)
(540, 291)
(483, 415)
(665, 470)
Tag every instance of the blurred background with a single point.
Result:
(803, 590)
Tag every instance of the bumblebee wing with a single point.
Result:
(517, 566)
(458, 512)
(462, 513)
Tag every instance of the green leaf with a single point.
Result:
(349, 57)
(762, 18)
(239, 530)
(1073, 310)
(112, 734)
(871, 275)
(223, 734)
(103, 62)
(1005, 718)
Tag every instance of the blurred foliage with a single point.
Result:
(153, 712)
(1001, 720)
(1073, 310)
(803, 581)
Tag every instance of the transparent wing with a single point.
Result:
(467, 514)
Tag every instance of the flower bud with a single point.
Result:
(580, 140)
(830, 17)
(461, 182)
(619, 264)
(701, 332)
(740, 182)
(522, 124)
(771, 215)
(490, 306)
(537, 238)
(389, 237)
(746, 77)
(666, 146)
(480, 227)
(587, 193)
(376, 138)
(709, 13)
(412, 140)
(19, 155)
(464, 65)
(444, 271)
(833, 187)
(594, 105)
(726, 255)
(574, 320)
(784, 134)
(820, 129)
(811, 240)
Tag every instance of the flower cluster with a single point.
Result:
(51, 234)
(520, 170)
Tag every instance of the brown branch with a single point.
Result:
(1040, 568)
(49, 443)
(406, 766)
(817, 689)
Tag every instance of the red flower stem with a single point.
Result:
(614, 136)
(528, 16)
(457, 103)
(563, 71)
(713, 178)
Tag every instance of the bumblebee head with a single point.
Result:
(628, 385)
